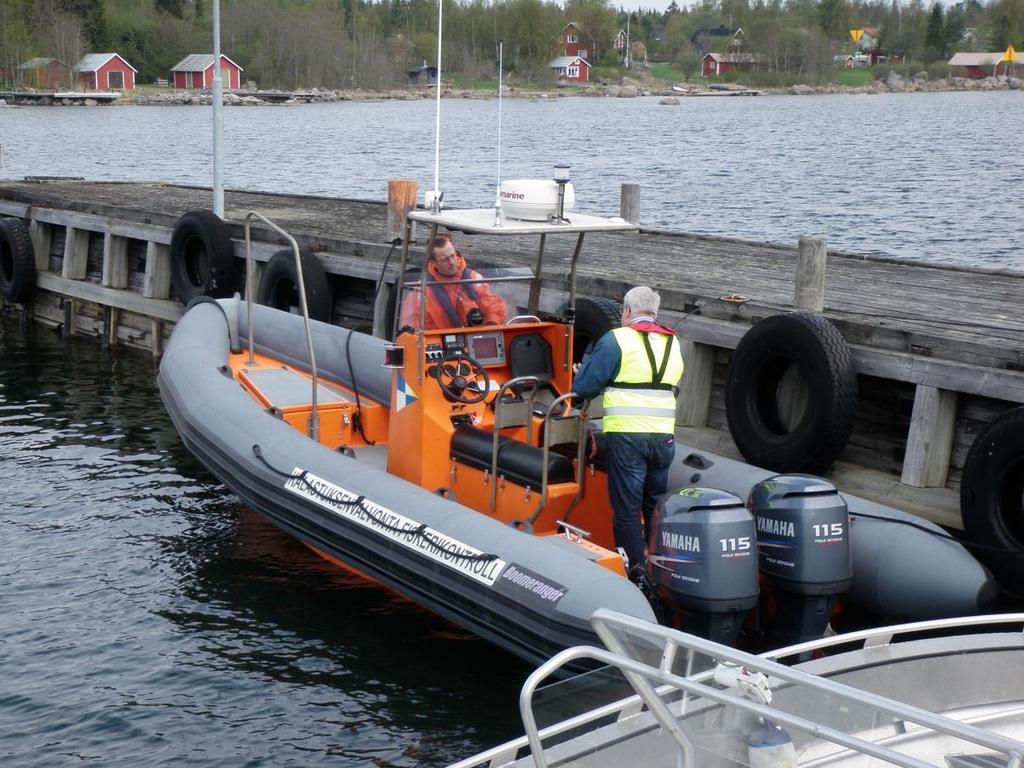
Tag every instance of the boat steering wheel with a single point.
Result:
(458, 374)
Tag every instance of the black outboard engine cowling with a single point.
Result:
(803, 544)
(702, 560)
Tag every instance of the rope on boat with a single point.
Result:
(418, 532)
(967, 543)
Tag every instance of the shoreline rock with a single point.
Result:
(623, 88)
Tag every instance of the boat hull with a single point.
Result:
(529, 595)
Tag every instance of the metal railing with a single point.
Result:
(631, 706)
(313, 428)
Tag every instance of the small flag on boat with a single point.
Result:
(404, 394)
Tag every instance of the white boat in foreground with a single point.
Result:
(946, 693)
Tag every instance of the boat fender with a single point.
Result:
(202, 257)
(804, 355)
(280, 280)
(992, 496)
(17, 261)
(770, 746)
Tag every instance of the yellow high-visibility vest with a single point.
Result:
(639, 400)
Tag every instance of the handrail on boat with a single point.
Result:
(314, 417)
(630, 706)
(643, 677)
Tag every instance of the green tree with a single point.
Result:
(834, 18)
(935, 36)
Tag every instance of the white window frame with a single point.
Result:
(583, 53)
(571, 37)
(572, 71)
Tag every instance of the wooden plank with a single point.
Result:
(160, 309)
(695, 391)
(11, 208)
(156, 283)
(76, 254)
(93, 223)
(42, 238)
(115, 261)
(930, 440)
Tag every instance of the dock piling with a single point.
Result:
(809, 289)
(401, 199)
(629, 203)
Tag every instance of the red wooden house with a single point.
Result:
(977, 65)
(196, 71)
(575, 42)
(715, 64)
(46, 74)
(105, 71)
(574, 68)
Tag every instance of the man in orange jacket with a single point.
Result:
(451, 304)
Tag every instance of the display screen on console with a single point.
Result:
(487, 348)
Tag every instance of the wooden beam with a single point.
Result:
(156, 283)
(115, 261)
(94, 223)
(694, 400)
(11, 208)
(930, 440)
(76, 254)
(161, 309)
(42, 238)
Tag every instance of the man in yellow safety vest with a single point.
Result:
(638, 366)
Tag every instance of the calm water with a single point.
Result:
(146, 618)
(923, 176)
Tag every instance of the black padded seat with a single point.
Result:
(518, 462)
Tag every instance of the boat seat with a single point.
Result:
(518, 462)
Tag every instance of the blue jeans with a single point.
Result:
(638, 467)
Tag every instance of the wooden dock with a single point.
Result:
(939, 351)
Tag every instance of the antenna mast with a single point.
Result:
(435, 204)
(497, 198)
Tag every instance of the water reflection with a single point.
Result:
(148, 617)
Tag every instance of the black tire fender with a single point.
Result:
(594, 318)
(202, 257)
(17, 261)
(806, 430)
(279, 284)
(992, 497)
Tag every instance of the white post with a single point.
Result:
(218, 117)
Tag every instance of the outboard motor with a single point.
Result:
(702, 560)
(803, 544)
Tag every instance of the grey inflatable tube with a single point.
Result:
(221, 424)
(904, 567)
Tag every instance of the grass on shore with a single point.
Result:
(855, 77)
